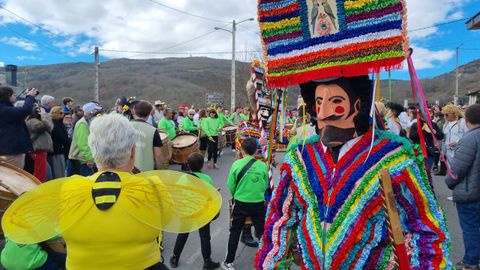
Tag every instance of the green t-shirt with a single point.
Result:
(205, 178)
(188, 125)
(22, 257)
(167, 125)
(211, 126)
(223, 119)
(251, 188)
(244, 117)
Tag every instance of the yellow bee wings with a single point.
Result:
(166, 200)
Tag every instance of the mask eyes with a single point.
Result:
(337, 101)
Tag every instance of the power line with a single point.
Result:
(183, 42)
(28, 21)
(250, 30)
(193, 53)
(440, 24)
(185, 12)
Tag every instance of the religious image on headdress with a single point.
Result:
(323, 17)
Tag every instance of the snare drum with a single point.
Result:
(182, 146)
(166, 146)
(230, 132)
(13, 183)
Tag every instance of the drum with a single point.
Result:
(231, 133)
(13, 183)
(222, 140)
(167, 146)
(182, 146)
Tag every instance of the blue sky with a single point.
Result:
(48, 32)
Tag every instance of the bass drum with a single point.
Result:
(182, 146)
(167, 146)
(13, 183)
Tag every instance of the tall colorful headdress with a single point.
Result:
(306, 40)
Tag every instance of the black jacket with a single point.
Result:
(428, 137)
(14, 136)
(61, 142)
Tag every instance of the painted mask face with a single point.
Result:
(335, 114)
(264, 113)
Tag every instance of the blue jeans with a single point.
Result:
(87, 171)
(469, 216)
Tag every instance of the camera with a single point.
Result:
(23, 94)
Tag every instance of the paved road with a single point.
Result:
(192, 259)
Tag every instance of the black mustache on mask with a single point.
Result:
(333, 136)
(331, 118)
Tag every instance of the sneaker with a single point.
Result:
(174, 261)
(209, 165)
(215, 166)
(248, 240)
(210, 265)
(227, 266)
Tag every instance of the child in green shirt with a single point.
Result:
(248, 191)
(195, 162)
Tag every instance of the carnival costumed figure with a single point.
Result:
(112, 219)
(329, 199)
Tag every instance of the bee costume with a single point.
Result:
(111, 220)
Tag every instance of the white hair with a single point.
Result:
(111, 140)
(47, 99)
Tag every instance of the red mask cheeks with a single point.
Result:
(339, 110)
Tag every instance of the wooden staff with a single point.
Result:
(393, 220)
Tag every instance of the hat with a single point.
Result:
(191, 111)
(159, 102)
(450, 108)
(90, 107)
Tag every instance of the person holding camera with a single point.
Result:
(15, 140)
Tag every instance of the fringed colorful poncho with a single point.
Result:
(334, 213)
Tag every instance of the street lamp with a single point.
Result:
(232, 86)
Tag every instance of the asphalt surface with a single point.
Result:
(191, 257)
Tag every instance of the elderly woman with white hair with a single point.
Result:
(187, 124)
(112, 219)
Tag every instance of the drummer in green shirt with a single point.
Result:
(222, 118)
(167, 125)
(211, 126)
(187, 124)
(245, 116)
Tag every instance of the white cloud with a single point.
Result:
(424, 58)
(425, 13)
(27, 57)
(2, 64)
(141, 25)
(21, 43)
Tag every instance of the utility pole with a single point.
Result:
(232, 79)
(232, 86)
(457, 75)
(97, 64)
